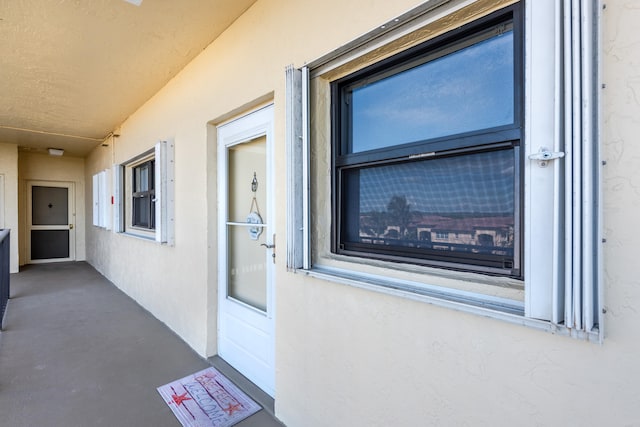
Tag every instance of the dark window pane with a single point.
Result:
(142, 177)
(143, 195)
(140, 212)
(467, 90)
(455, 204)
(143, 211)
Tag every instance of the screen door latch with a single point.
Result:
(545, 155)
(273, 247)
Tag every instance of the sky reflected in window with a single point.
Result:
(467, 90)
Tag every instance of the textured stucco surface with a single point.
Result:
(364, 357)
(621, 177)
(81, 67)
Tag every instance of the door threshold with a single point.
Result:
(252, 390)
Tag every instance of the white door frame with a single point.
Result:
(246, 334)
(69, 226)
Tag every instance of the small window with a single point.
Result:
(143, 189)
(425, 151)
(143, 195)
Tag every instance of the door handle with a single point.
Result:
(271, 246)
(70, 226)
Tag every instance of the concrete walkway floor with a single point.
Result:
(76, 351)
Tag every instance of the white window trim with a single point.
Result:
(569, 309)
(101, 200)
(118, 194)
(96, 199)
(165, 192)
(164, 155)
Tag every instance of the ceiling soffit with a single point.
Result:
(74, 70)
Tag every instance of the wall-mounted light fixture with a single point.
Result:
(56, 152)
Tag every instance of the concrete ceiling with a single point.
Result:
(71, 71)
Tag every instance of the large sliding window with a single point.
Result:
(426, 153)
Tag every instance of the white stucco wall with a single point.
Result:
(9, 192)
(351, 357)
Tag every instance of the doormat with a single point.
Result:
(207, 399)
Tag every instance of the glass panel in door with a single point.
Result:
(49, 206)
(246, 226)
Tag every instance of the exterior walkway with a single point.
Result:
(76, 351)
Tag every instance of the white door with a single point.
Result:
(50, 213)
(246, 250)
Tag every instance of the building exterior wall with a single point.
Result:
(9, 198)
(42, 167)
(347, 356)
